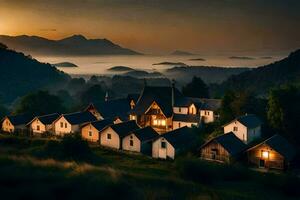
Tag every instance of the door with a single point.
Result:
(262, 163)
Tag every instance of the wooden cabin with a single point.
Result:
(273, 153)
(140, 140)
(71, 123)
(225, 148)
(91, 131)
(247, 128)
(112, 135)
(42, 124)
(166, 109)
(16, 123)
(172, 143)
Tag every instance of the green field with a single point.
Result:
(29, 171)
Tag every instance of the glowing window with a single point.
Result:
(265, 154)
(155, 122)
(163, 122)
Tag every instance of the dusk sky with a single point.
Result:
(161, 26)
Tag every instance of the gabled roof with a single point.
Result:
(101, 124)
(232, 144)
(79, 117)
(187, 101)
(161, 95)
(186, 118)
(280, 145)
(180, 138)
(211, 104)
(20, 119)
(123, 129)
(114, 108)
(46, 119)
(248, 120)
(145, 134)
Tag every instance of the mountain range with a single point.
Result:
(75, 45)
(261, 79)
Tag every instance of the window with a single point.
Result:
(179, 124)
(90, 133)
(131, 137)
(131, 142)
(37, 127)
(155, 122)
(61, 124)
(163, 122)
(66, 125)
(108, 136)
(163, 145)
(235, 128)
(179, 109)
(159, 122)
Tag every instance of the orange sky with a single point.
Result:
(161, 26)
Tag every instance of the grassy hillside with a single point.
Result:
(261, 79)
(27, 171)
(20, 74)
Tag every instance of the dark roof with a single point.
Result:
(133, 97)
(211, 104)
(114, 108)
(180, 138)
(186, 118)
(124, 128)
(145, 134)
(20, 119)
(282, 146)
(161, 95)
(187, 101)
(249, 120)
(232, 144)
(48, 119)
(101, 124)
(80, 117)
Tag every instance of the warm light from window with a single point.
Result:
(132, 117)
(163, 122)
(265, 154)
(155, 122)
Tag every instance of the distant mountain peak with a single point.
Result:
(75, 38)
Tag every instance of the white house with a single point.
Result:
(208, 110)
(247, 128)
(112, 135)
(15, 123)
(71, 123)
(42, 124)
(170, 144)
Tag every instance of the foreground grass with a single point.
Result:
(28, 172)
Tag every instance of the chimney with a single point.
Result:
(106, 97)
(173, 91)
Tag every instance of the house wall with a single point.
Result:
(180, 110)
(89, 128)
(241, 133)
(192, 110)
(207, 116)
(64, 129)
(275, 160)
(177, 124)
(7, 126)
(214, 151)
(114, 142)
(158, 152)
(136, 143)
(254, 134)
(34, 126)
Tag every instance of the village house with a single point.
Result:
(113, 108)
(91, 131)
(42, 124)
(274, 153)
(247, 128)
(225, 148)
(71, 123)
(16, 123)
(166, 109)
(172, 143)
(209, 110)
(140, 140)
(112, 135)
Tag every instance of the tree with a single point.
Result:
(196, 88)
(39, 103)
(94, 94)
(3, 46)
(283, 111)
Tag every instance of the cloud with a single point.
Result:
(48, 29)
